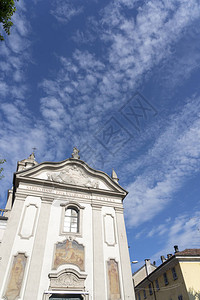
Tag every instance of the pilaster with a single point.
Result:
(33, 280)
(98, 258)
(124, 256)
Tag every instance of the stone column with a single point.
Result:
(124, 256)
(99, 292)
(34, 274)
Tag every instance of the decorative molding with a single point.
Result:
(47, 199)
(20, 196)
(103, 196)
(109, 231)
(38, 175)
(67, 279)
(24, 223)
(96, 206)
(73, 203)
(119, 210)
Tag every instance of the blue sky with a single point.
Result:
(119, 80)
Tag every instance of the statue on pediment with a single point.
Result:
(75, 153)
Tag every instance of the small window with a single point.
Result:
(165, 278)
(180, 297)
(157, 285)
(71, 220)
(150, 289)
(174, 274)
(144, 292)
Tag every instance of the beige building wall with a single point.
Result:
(169, 291)
(191, 275)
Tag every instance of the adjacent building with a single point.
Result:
(177, 278)
(63, 235)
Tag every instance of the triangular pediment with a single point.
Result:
(71, 172)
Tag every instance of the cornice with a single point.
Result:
(74, 188)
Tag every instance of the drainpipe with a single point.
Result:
(147, 267)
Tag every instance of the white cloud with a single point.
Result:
(54, 112)
(132, 47)
(64, 11)
(138, 44)
(91, 87)
(184, 231)
(14, 55)
(174, 156)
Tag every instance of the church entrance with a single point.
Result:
(66, 297)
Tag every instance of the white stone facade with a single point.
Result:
(40, 260)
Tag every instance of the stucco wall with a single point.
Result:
(191, 274)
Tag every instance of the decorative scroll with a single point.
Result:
(16, 277)
(69, 252)
(113, 280)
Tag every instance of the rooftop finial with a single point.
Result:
(114, 176)
(75, 153)
(32, 156)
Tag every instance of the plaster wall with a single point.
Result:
(3, 224)
(111, 251)
(54, 236)
(21, 245)
(191, 275)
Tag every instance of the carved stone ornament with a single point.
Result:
(67, 279)
(75, 153)
(73, 175)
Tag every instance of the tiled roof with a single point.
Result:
(188, 252)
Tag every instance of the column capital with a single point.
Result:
(119, 210)
(47, 200)
(96, 206)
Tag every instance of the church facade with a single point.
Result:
(63, 234)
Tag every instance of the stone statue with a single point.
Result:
(75, 153)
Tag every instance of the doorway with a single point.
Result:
(66, 297)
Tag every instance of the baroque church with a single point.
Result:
(62, 234)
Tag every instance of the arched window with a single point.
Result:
(71, 220)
